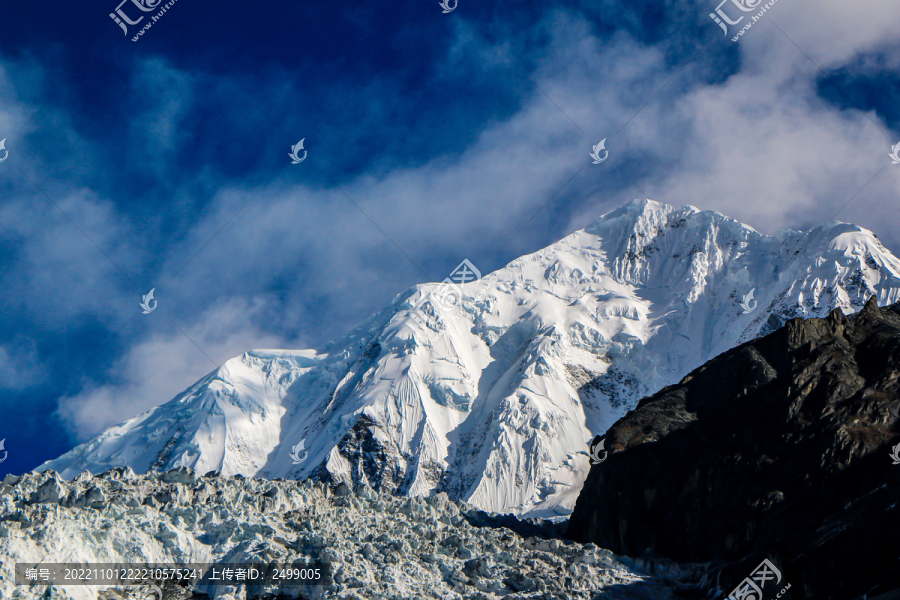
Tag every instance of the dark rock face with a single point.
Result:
(778, 449)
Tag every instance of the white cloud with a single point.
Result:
(833, 32)
(760, 146)
(167, 362)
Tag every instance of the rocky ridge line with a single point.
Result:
(779, 449)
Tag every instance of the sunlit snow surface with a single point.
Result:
(494, 400)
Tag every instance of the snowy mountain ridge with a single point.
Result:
(492, 397)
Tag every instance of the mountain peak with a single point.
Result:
(636, 209)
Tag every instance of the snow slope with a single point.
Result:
(493, 397)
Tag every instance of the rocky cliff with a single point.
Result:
(779, 449)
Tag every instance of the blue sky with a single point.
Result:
(431, 138)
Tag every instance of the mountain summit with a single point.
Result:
(493, 394)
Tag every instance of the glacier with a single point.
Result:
(492, 394)
(378, 546)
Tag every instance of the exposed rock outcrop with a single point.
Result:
(778, 449)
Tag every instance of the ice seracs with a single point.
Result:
(378, 546)
(495, 399)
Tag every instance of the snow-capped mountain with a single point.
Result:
(491, 393)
